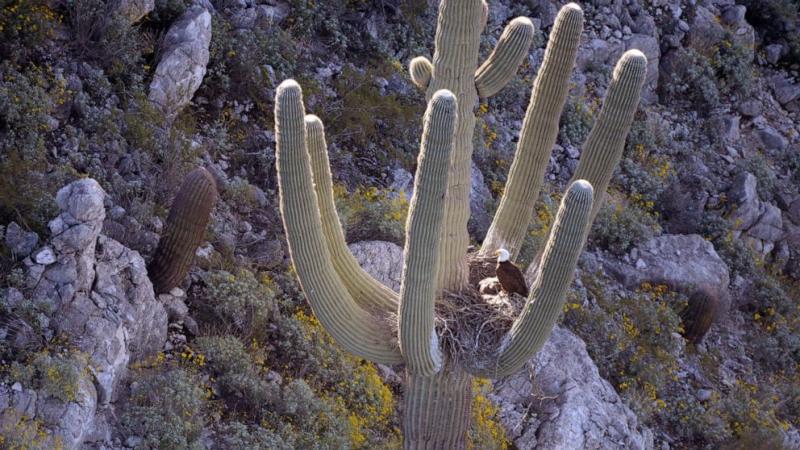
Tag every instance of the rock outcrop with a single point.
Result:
(759, 223)
(562, 403)
(102, 303)
(685, 263)
(183, 65)
(383, 260)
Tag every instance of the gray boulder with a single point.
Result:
(759, 223)
(383, 260)
(578, 408)
(785, 91)
(183, 66)
(683, 262)
(20, 242)
(650, 47)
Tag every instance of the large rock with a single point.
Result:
(183, 66)
(785, 91)
(383, 260)
(683, 262)
(758, 222)
(579, 410)
(20, 242)
(102, 303)
(650, 47)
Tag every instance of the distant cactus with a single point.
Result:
(184, 231)
(698, 316)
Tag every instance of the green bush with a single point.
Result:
(693, 79)
(231, 435)
(371, 213)
(619, 228)
(57, 376)
(167, 410)
(239, 302)
(576, 122)
(733, 67)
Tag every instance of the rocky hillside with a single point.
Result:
(682, 327)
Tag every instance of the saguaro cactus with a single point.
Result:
(382, 326)
(184, 231)
(699, 314)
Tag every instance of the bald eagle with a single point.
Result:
(509, 275)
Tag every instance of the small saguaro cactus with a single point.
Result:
(439, 326)
(699, 314)
(184, 230)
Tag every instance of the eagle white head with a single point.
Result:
(502, 255)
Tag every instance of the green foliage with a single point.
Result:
(58, 376)
(109, 40)
(25, 27)
(734, 252)
(28, 97)
(618, 227)
(633, 336)
(234, 434)
(693, 79)
(759, 166)
(734, 70)
(644, 170)
(166, 410)
(576, 122)
(240, 302)
(371, 213)
(778, 316)
(18, 431)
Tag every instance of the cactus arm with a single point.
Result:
(538, 135)
(421, 71)
(532, 328)
(418, 340)
(603, 148)
(502, 64)
(353, 328)
(184, 231)
(367, 292)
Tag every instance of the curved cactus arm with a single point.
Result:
(352, 327)
(418, 341)
(538, 135)
(502, 64)
(421, 71)
(534, 325)
(367, 292)
(603, 148)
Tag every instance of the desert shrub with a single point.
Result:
(576, 122)
(732, 62)
(234, 434)
(166, 410)
(18, 431)
(352, 386)
(644, 170)
(777, 315)
(693, 79)
(108, 39)
(759, 166)
(738, 256)
(486, 431)
(238, 380)
(619, 228)
(25, 28)
(240, 302)
(58, 376)
(371, 213)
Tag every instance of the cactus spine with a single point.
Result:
(184, 230)
(354, 309)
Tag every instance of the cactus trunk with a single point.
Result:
(455, 60)
(437, 410)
